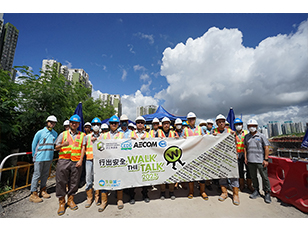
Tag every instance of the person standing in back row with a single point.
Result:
(42, 152)
(192, 130)
(256, 153)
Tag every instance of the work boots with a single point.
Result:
(249, 185)
(224, 193)
(97, 202)
(35, 198)
(202, 191)
(191, 190)
(236, 199)
(89, 198)
(43, 193)
(120, 199)
(104, 199)
(61, 209)
(70, 203)
(242, 184)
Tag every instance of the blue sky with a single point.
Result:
(139, 57)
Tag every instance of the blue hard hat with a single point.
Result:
(96, 121)
(75, 118)
(238, 121)
(184, 123)
(114, 118)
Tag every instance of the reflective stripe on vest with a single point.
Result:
(73, 150)
(228, 130)
(240, 142)
(189, 132)
(89, 149)
(119, 135)
(133, 134)
(162, 134)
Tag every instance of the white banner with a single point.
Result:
(126, 163)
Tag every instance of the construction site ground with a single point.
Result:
(19, 206)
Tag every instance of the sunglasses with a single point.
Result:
(139, 122)
(112, 123)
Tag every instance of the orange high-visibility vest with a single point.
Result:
(162, 134)
(73, 150)
(217, 130)
(133, 134)
(152, 132)
(89, 148)
(240, 142)
(119, 135)
(189, 132)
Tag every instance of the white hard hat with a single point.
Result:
(140, 118)
(66, 122)
(165, 119)
(135, 127)
(252, 122)
(191, 115)
(155, 120)
(220, 117)
(51, 118)
(227, 122)
(209, 121)
(123, 118)
(87, 124)
(202, 122)
(130, 125)
(178, 121)
(104, 126)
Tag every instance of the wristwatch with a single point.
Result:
(266, 160)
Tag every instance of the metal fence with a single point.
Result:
(25, 168)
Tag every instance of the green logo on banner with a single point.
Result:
(172, 155)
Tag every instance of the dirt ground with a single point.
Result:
(19, 206)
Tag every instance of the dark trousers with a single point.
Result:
(241, 163)
(254, 168)
(67, 174)
(131, 191)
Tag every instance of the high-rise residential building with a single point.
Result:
(72, 75)
(287, 127)
(264, 131)
(112, 100)
(274, 128)
(79, 75)
(48, 64)
(8, 43)
(149, 109)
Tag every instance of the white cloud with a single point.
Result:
(214, 72)
(149, 37)
(68, 64)
(138, 68)
(124, 74)
(145, 88)
(144, 77)
(95, 94)
(131, 102)
(131, 47)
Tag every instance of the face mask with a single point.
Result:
(238, 127)
(252, 129)
(95, 128)
(124, 124)
(178, 127)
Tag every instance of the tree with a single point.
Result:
(25, 105)
(9, 129)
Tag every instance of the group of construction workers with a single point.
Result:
(74, 146)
